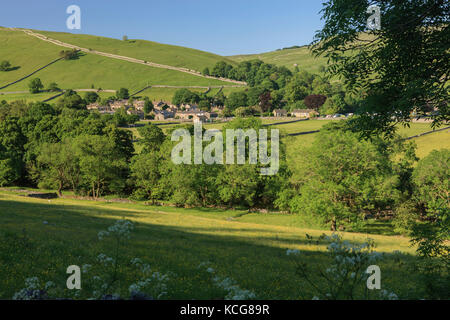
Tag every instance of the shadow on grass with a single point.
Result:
(70, 237)
(13, 68)
(377, 227)
(76, 56)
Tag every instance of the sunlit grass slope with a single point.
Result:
(141, 49)
(27, 53)
(288, 58)
(239, 246)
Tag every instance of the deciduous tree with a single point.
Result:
(401, 68)
(35, 85)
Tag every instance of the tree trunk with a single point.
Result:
(60, 189)
(333, 225)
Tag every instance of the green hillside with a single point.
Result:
(141, 49)
(26, 96)
(27, 54)
(288, 58)
(436, 141)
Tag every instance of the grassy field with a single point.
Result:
(288, 58)
(302, 57)
(145, 50)
(428, 143)
(302, 126)
(89, 70)
(425, 144)
(43, 237)
(27, 96)
(15, 47)
(249, 248)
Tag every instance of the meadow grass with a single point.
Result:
(28, 97)
(435, 141)
(141, 49)
(288, 58)
(86, 71)
(302, 57)
(302, 126)
(425, 144)
(414, 129)
(248, 248)
(26, 54)
(90, 70)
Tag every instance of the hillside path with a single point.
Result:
(133, 60)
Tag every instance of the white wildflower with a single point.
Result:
(85, 268)
(293, 252)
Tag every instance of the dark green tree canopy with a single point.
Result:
(53, 87)
(152, 138)
(183, 96)
(35, 85)
(5, 65)
(91, 97)
(148, 106)
(123, 93)
(401, 68)
(69, 54)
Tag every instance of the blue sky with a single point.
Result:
(224, 27)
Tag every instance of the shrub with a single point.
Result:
(91, 97)
(346, 277)
(53, 87)
(343, 178)
(35, 85)
(405, 217)
(5, 65)
(431, 179)
(69, 54)
(123, 93)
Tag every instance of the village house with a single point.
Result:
(139, 105)
(161, 105)
(119, 104)
(104, 109)
(211, 115)
(139, 113)
(198, 118)
(189, 107)
(99, 108)
(306, 113)
(279, 113)
(217, 109)
(172, 109)
(93, 106)
(188, 115)
(163, 115)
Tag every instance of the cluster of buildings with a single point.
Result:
(161, 110)
(307, 113)
(188, 112)
(131, 107)
(165, 111)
